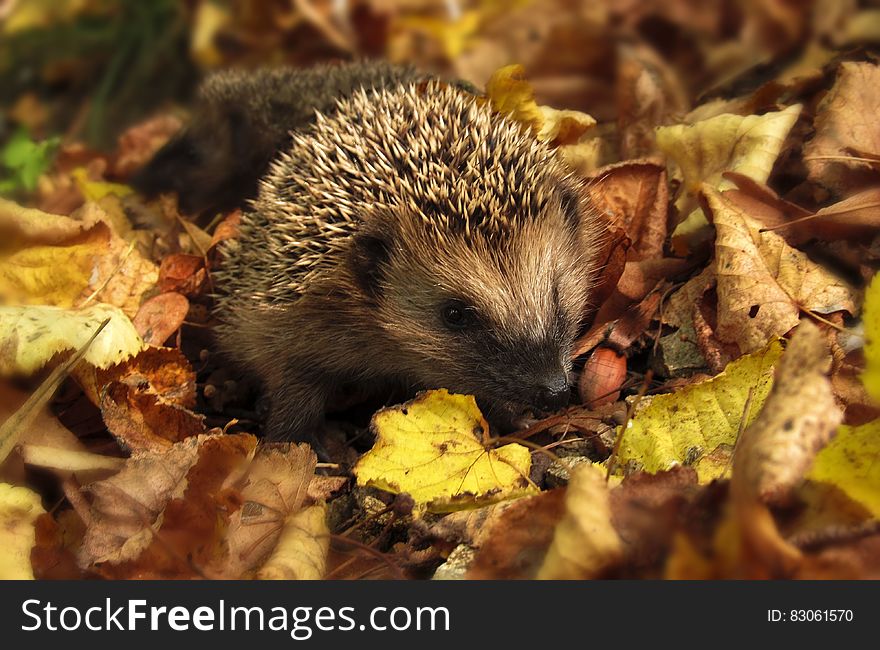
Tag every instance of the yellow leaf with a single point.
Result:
(511, 94)
(871, 321)
(210, 18)
(19, 508)
(850, 462)
(705, 150)
(52, 275)
(31, 336)
(301, 553)
(49, 259)
(428, 448)
(681, 427)
(585, 542)
(453, 35)
(97, 190)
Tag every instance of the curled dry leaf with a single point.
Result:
(763, 283)
(143, 421)
(847, 132)
(301, 553)
(634, 197)
(145, 400)
(797, 419)
(774, 452)
(19, 509)
(585, 543)
(705, 150)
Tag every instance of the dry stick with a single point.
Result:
(631, 407)
(14, 427)
(813, 314)
(815, 540)
(810, 217)
(747, 408)
(870, 161)
(370, 551)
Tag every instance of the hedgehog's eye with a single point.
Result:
(457, 315)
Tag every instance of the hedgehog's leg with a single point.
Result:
(297, 400)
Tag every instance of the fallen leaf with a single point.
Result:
(584, 542)
(165, 514)
(849, 461)
(160, 317)
(301, 553)
(182, 273)
(726, 143)
(634, 197)
(763, 283)
(19, 509)
(277, 487)
(871, 321)
(846, 131)
(775, 450)
(428, 448)
(31, 336)
(515, 544)
(63, 262)
(797, 419)
(681, 427)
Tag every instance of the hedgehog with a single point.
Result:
(413, 238)
(241, 120)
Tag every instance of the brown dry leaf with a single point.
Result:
(143, 421)
(585, 543)
(182, 273)
(648, 93)
(277, 487)
(846, 130)
(160, 317)
(137, 144)
(301, 553)
(54, 554)
(646, 510)
(514, 545)
(776, 449)
(763, 283)
(634, 197)
(164, 515)
(165, 372)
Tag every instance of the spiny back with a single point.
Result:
(428, 152)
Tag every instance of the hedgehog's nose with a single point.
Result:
(553, 393)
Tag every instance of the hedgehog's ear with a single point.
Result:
(369, 254)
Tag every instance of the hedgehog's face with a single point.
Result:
(495, 317)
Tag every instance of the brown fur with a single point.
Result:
(372, 222)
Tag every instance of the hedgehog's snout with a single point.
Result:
(552, 393)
